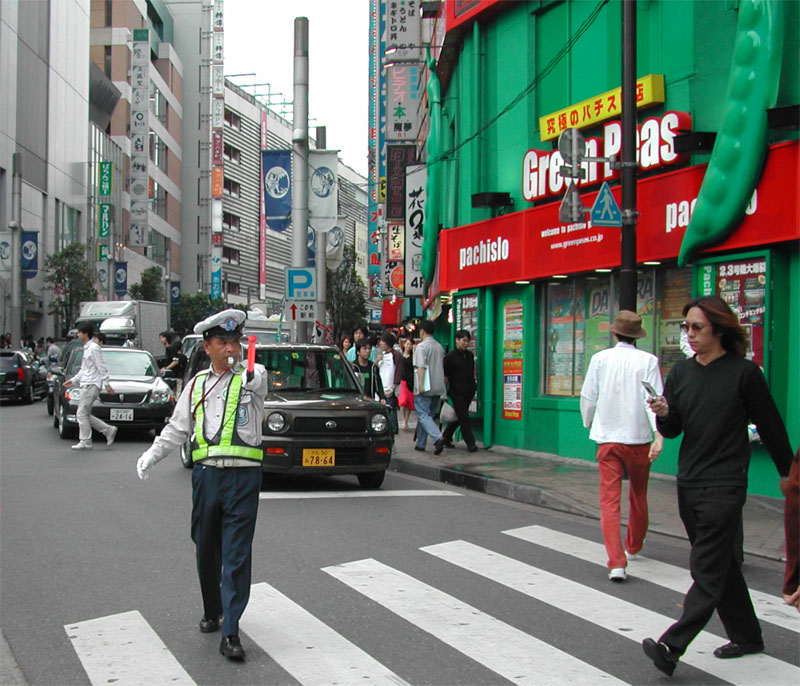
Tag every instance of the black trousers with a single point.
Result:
(461, 406)
(712, 517)
(224, 511)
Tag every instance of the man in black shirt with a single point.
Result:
(711, 397)
(459, 369)
(370, 377)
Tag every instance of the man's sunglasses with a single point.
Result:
(694, 326)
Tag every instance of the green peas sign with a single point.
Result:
(105, 178)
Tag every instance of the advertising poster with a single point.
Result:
(676, 292)
(512, 359)
(276, 167)
(563, 338)
(598, 315)
(645, 308)
(466, 317)
(743, 285)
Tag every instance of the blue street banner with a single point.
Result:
(120, 278)
(216, 285)
(175, 292)
(30, 253)
(276, 169)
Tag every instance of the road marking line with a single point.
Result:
(768, 608)
(511, 653)
(619, 616)
(286, 495)
(124, 650)
(307, 648)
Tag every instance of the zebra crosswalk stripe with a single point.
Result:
(511, 653)
(608, 612)
(304, 646)
(768, 608)
(124, 650)
(317, 495)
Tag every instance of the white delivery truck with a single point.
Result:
(122, 320)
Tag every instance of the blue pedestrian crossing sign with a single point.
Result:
(605, 211)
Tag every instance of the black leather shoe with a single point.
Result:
(231, 647)
(209, 626)
(416, 447)
(473, 448)
(449, 444)
(733, 649)
(661, 655)
(438, 447)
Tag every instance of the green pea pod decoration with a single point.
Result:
(430, 227)
(741, 145)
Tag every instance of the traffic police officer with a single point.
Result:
(221, 409)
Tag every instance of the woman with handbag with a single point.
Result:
(406, 397)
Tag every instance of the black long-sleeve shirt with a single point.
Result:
(712, 406)
(459, 368)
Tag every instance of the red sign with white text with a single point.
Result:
(534, 244)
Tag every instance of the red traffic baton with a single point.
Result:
(251, 356)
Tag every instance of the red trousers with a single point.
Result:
(613, 460)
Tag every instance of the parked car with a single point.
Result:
(188, 343)
(317, 419)
(21, 376)
(141, 399)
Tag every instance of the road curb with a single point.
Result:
(521, 493)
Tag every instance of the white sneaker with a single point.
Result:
(618, 574)
(111, 436)
(631, 556)
(81, 445)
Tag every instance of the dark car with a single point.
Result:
(21, 376)
(317, 419)
(141, 399)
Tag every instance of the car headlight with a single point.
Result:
(73, 394)
(276, 422)
(379, 423)
(161, 395)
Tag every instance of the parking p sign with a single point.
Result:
(301, 283)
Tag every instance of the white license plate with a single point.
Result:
(121, 415)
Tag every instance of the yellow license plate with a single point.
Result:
(319, 457)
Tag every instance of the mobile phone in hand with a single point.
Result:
(650, 390)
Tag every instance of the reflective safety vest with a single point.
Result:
(226, 442)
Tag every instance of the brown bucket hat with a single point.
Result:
(628, 324)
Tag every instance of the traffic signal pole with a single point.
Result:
(300, 162)
(627, 272)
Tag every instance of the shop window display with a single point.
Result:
(580, 311)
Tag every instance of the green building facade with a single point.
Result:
(538, 294)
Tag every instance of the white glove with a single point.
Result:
(145, 463)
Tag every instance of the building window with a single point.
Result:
(158, 199)
(66, 224)
(158, 152)
(158, 104)
(107, 60)
(233, 288)
(230, 222)
(232, 119)
(579, 313)
(230, 255)
(231, 154)
(109, 13)
(231, 187)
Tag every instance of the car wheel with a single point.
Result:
(63, 430)
(28, 397)
(186, 455)
(50, 405)
(371, 479)
(55, 418)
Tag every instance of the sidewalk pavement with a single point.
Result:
(571, 485)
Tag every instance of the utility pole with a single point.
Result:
(627, 272)
(16, 248)
(300, 161)
(321, 255)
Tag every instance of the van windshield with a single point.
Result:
(307, 370)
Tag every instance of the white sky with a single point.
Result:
(259, 37)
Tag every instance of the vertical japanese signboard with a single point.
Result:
(403, 30)
(402, 91)
(217, 121)
(376, 152)
(416, 180)
(139, 234)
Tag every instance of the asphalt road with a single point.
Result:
(417, 583)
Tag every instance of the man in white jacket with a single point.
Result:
(91, 377)
(614, 404)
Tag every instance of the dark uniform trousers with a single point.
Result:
(712, 517)
(224, 511)
(461, 406)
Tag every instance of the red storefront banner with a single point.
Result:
(534, 244)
